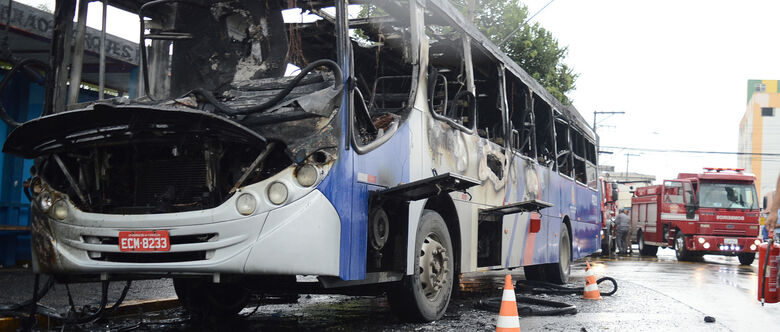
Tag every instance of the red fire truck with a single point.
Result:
(714, 212)
(609, 210)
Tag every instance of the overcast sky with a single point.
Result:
(679, 70)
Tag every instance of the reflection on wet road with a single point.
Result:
(655, 294)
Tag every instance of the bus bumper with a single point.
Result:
(302, 237)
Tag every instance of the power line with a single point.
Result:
(523, 24)
(694, 151)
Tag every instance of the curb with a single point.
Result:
(127, 308)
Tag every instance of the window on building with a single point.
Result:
(767, 111)
(760, 87)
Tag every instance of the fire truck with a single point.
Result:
(609, 210)
(713, 212)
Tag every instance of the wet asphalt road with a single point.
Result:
(655, 294)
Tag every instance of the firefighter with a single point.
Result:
(623, 227)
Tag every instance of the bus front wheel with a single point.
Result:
(424, 295)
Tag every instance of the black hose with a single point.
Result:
(273, 101)
(11, 122)
(560, 308)
(550, 288)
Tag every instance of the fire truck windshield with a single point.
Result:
(728, 195)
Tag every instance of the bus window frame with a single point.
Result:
(416, 28)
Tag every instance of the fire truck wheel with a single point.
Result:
(644, 249)
(746, 258)
(679, 247)
(201, 297)
(424, 296)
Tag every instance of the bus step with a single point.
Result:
(429, 187)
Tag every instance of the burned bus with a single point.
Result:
(381, 144)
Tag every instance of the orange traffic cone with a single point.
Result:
(507, 317)
(591, 289)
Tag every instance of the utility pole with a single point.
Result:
(629, 155)
(597, 113)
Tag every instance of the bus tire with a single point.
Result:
(680, 251)
(559, 272)
(746, 258)
(201, 297)
(644, 249)
(424, 295)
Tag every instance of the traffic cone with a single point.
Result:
(507, 317)
(591, 288)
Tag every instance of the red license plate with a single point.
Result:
(144, 241)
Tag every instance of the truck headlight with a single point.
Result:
(246, 204)
(277, 193)
(757, 242)
(701, 240)
(307, 175)
(60, 209)
(706, 245)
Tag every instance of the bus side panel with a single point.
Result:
(389, 164)
(563, 197)
(523, 185)
(586, 228)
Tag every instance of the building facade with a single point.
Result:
(759, 133)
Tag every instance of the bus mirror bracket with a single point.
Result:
(428, 187)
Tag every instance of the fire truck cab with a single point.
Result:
(713, 212)
(609, 210)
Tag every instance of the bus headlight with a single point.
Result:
(246, 204)
(45, 201)
(60, 209)
(277, 193)
(307, 175)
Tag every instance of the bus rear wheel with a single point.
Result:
(424, 295)
(555, 272)
(201, 297)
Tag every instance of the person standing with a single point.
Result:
(623, 227)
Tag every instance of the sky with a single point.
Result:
(678, 69)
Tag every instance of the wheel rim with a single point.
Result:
(564, 254)
(679, 244)
(641, 242)
(433, 266)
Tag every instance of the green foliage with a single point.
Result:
(534, 48)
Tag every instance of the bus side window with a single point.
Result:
(563, 148)
(590, 156)
(448, 95)
(543, 124)
(490, 120)
(578, 149)
(383, 70)
(520, 115)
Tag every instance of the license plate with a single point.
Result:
(144, 241)
(730, 241)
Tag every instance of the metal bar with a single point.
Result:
(78, 54)
(102, 74)
(251, 168)
(70, 179)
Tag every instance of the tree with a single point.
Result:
(532, 47)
